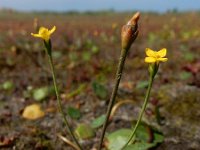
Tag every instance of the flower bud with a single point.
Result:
(130, 31)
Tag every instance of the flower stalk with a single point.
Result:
(142, 110)
(153, 58)
(48, 51)
(45, 35)
(128, 35)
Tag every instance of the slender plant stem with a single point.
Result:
(114, 93)
(59, 102)
(142, 111)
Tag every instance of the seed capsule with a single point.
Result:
(130, 31)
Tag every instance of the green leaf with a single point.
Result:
(117, 139)
(73, 56)
(84, 131)
(142, 84)
(10, 61)
(73, 113)
(158, 137)
(185, 75)
(99, 90)
(86, 56)
(188, 56)
(56, 54)
(95, 49)
(42, 93)
(8, 85)
(89, 43)
(98, 122)
(77, 91)
(140, 146)
(144, 133)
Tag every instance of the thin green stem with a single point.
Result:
(113, 95)
(59, 102)
(142, 111)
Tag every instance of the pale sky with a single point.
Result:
(92, 5)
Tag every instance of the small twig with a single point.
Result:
(117, 105)
(68, 142)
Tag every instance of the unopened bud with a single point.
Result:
(130, 31)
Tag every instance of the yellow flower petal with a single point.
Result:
(43, 30)
(44, 33)
(162, 59)
(36, 35)
(150, 60)
(162, 52)
(150, 52)
(52, 30)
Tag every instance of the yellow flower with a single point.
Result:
(44, 33)
(155, 56)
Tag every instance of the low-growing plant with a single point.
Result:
(45, 34)
(130, 139)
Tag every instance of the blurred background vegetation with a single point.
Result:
(86, 49)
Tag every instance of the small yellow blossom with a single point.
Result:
(155, 56)
(44, 33)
